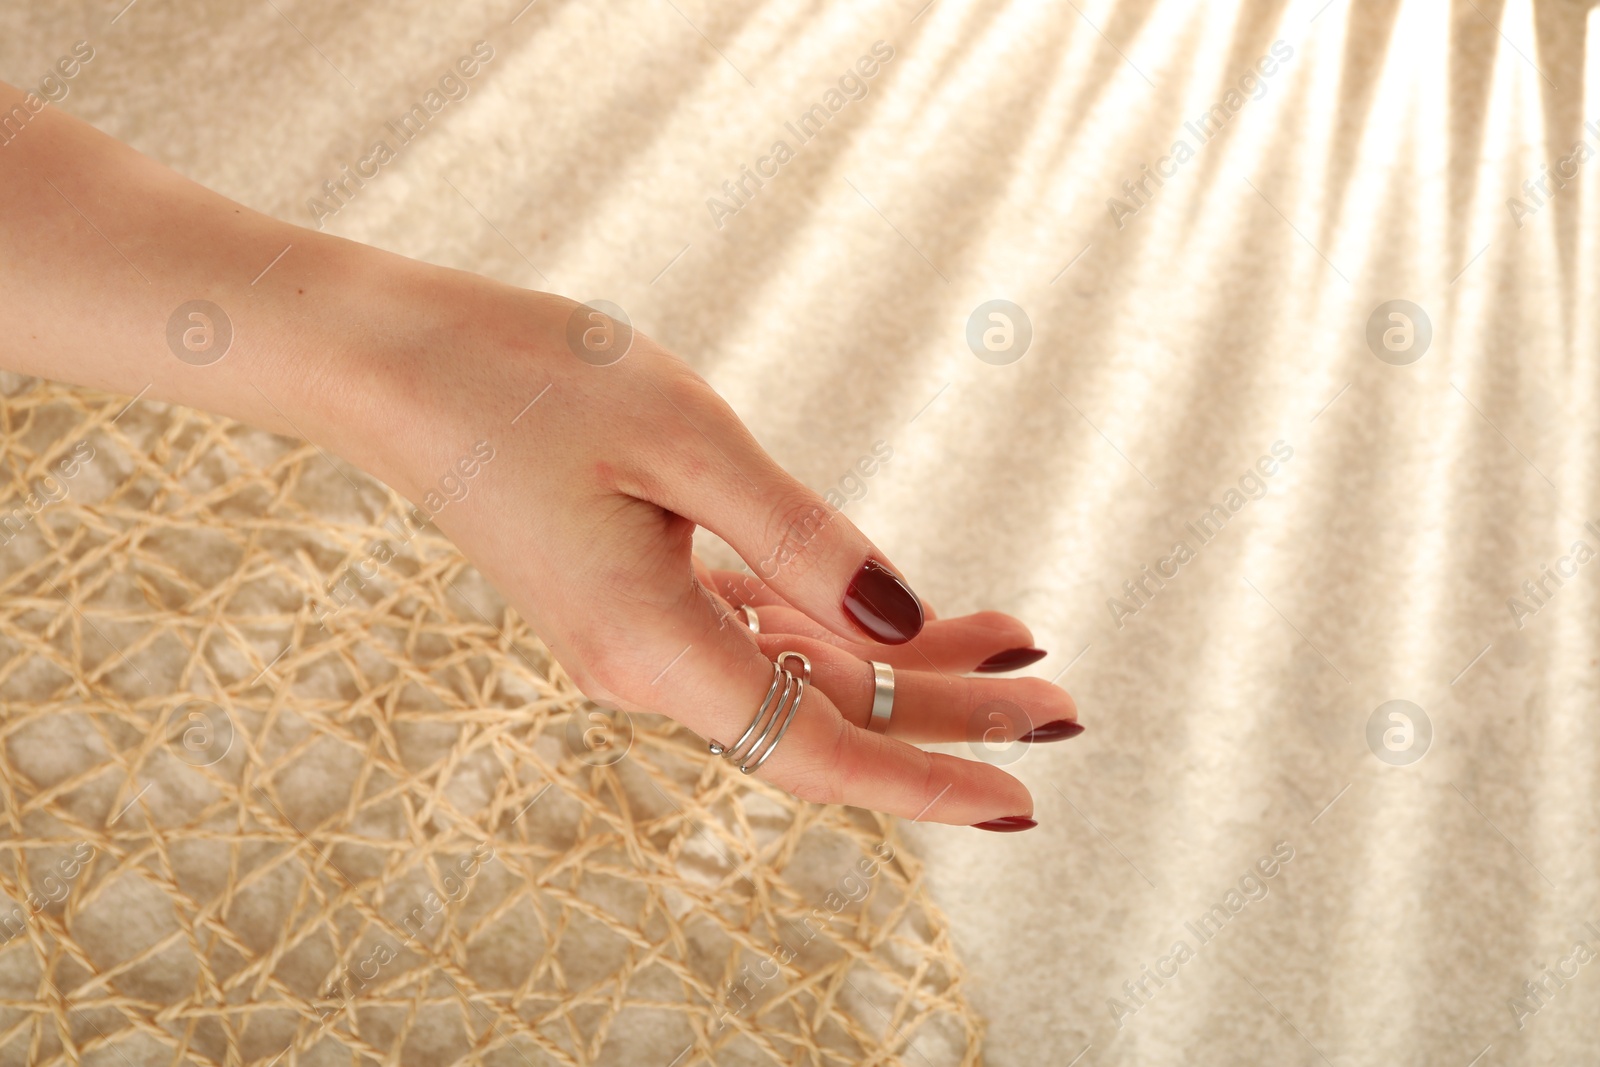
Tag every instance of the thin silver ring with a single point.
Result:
(750, 754)
(749, 766)
(731, 751)
(882, 697)
(750, 618)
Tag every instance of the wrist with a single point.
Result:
(419, 366)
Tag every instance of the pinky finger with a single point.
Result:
(827, 760)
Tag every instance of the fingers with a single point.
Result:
(987, 641)
(739, 588)
(929, 707)
(967, 643)
(651, 637)
(656, 639)
(826, 760)
(802, 548)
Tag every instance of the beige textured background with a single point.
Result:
(1166, 357)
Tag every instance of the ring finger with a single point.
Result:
(931, 707)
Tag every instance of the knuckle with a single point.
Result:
(824, 781)
(691, 411)
(927, 795)
(690, 393)
(797, 518)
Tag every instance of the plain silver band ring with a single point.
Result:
(882, 697)
(750, 618)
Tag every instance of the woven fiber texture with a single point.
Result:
(243, 823)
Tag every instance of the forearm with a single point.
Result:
(101, 248)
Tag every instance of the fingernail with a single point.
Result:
(1059, 730)
(1010, 660)
(883, 605)
(1008, 825)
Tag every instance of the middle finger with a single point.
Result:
(986, 641)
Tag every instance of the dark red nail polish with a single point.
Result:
(1011, 659)
(1059, 730)
(1008, 825)
(883, 605)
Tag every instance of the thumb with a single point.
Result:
(797, 544)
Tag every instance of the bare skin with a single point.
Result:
(584, 520)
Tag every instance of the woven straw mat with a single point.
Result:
(232, 834)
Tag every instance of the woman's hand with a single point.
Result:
(584, 521)
(603, 463)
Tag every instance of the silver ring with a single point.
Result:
(882, 697)
(794, 690)
(718, 749)
(750, 618)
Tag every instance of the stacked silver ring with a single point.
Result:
(753, 755)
